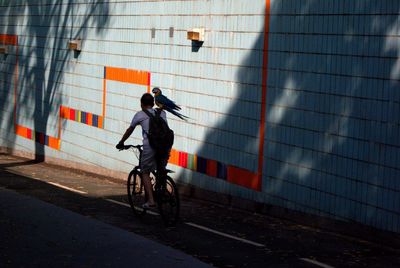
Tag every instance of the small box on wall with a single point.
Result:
(196, 34)
(75, 45)
(3, 49)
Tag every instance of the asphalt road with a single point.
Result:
(37, 234)
(217, 235)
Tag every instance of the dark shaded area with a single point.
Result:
(43, 55)
(4, 56)
(26, 163)
(330, 145)
(47, 235)
(76, 54)
(196, 45)
(285, 241)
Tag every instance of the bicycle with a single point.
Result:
(164, 190)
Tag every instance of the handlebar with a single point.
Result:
(126, 147)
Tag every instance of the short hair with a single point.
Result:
(147, 100)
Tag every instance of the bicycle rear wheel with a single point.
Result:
(136, 192)
(168, 202)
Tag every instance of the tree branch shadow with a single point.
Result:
(331, 116)
(43, 56)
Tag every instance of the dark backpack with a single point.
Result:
(160, 136)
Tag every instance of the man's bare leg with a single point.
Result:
(148, 188)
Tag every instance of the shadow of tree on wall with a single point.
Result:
(43, 54)
(234, 139)
(331, 132)
(6, 77)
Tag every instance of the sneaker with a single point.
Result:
(148, 206)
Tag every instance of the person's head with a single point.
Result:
(147, 100)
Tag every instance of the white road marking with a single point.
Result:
(117, 202)
(152, 213)
(224, 234)
(127, 205)
(187, 223)
(197, 226)
(66, 188)
(317, 263)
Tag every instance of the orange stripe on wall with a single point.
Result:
(16, 81)
(127, 75)
(244, 178)
(174, 157)
(64, 112)
(100, 122)
(54, 143)
(148, 82)
(21, 131)
(7, 39)
(15, 90)
(89, 119)
(104, 97)
(264, 90)
(211, 169)
(24, 132)
(59, 127)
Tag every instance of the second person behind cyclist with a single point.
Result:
(148, 161)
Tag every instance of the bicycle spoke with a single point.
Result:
(136, 193)
(169, 202)
(166, 195)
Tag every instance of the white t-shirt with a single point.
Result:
(142, 119)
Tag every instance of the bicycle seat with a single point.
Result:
(169, 171)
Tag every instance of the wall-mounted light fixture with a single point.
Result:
(3, 49)
(196, 34)
(75, 45)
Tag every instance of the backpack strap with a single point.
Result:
(148, 113)
(157, 113)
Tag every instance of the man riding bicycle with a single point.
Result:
(149, 161)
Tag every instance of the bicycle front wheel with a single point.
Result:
(136, 192)
(168, 202)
